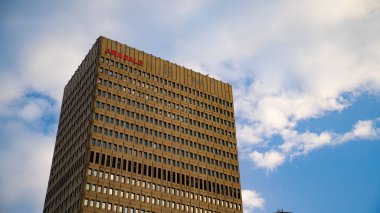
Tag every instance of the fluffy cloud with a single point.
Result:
(248, 135)
(302, 143)
(296, 143)
(252, 200)
(363, 130)
(268, 160)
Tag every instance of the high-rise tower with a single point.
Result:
(139, 134)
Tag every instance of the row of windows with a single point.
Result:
(66, 173)
(168, 161)
(167, 83)
(173, 150)
(190, 132)
(159, 90)
(155, 133)
(171, 115)
(163, 174)
(162, 101)
(68, 142)
(76, 91)
(71, 145)
(63, 197)
(74, 106)
(112, 207)
(73, 118)
(152, 186)
(67, 166)
(119, 208)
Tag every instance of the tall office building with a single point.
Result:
(139, 134)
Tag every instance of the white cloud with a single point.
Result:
(296, 143)
(247, 135)
(362, 130)
(33, 109)
(14, 90)
(302, 143)
(365, 129)
(50, 66)
(26, 158)
(30, 111)
(252, 200)
(268, 160)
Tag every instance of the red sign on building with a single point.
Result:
(124, 57)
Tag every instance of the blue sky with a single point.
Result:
(305, 76)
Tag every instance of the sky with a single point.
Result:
(305, 77)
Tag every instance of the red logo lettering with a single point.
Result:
(124, 57)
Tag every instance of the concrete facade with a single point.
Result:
(139, 134)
